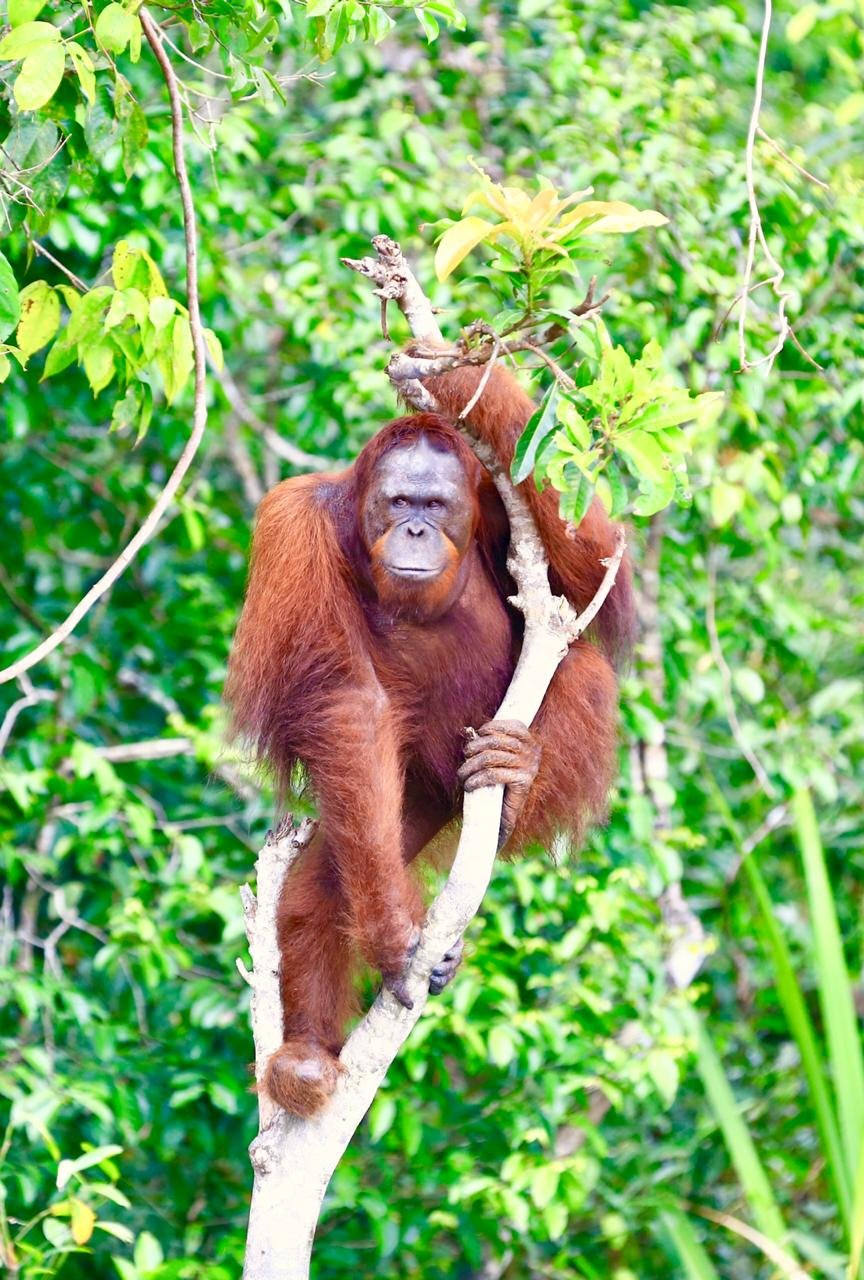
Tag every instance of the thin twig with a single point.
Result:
(30, 699)
(70, 275)
(481, 385)
(149, 749)
(805, 173)
(199, 414)
(284, 448)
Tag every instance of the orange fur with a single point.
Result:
(371, 695)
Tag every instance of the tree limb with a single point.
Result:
(293, 1159)
(199, 413)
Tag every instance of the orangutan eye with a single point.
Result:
(435, 504)
(400, 502)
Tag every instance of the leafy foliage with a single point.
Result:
(124, 1021)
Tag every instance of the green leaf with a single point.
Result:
(646, 454)
(850, 109)
(124, 263)
(544, 1184)
(40, 75)
(67, 1168)
(663, 1070)
(126, 410)
(802, 22)
(28, 38)
(126, 302)
(214, 347)
(114, 28)
(40, 317)
(147, 1254)
(60, 356)
(21, 11)
(726, 501)
(429, 25)
(98, 363)
(318, 8)
(574, 503)
(501, 1048)
(555, 1219)
(542, 422)
(575, 425)
(796, 1013)
(382, 1113)
(135, 39)
(10, 308)
(857, 1228)
(87, 317)
(749, 684)
(183, 352)
(84, 69)
(653, 497)
(161, 311)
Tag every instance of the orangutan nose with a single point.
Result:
(415, 529)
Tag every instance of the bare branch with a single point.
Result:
(30, 698)
(284, 448)
(70, 275)
(151, 749)
(199, 413)
(805, 173)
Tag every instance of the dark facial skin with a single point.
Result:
(420, 507)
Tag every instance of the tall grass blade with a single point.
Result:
(801, 1027)
(739, 1143)
(694, 1260)
(835, 989)
(856, 1231)
(796, 1013)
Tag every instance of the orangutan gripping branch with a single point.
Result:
(375, 630)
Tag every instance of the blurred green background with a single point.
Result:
(517, 1136)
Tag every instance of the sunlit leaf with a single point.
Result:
(40, 317)
(612, 217)
(10, 308)
(114, 28)
(84, 69)
(458, 241)
(27, 38)
(40, 75)
(83, 1221)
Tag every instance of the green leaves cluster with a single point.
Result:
(42, 51)
(120, 333)
(547, 235)
(339, 22)
(625, 425)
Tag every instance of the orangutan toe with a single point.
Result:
(445, 969)
(301, 1076)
